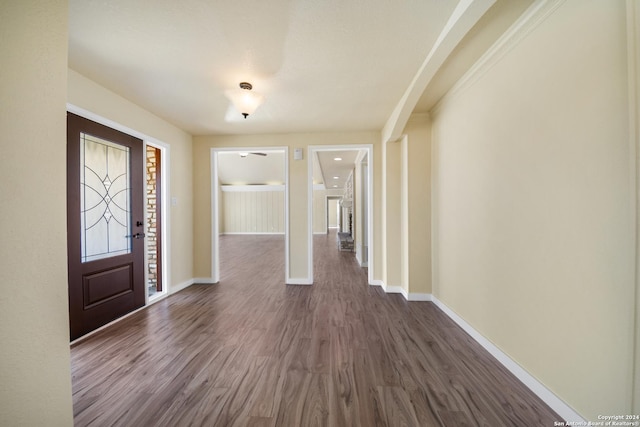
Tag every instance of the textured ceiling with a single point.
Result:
(322, 65)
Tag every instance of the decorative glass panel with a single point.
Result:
(104, 198)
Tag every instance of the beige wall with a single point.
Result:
(392, 222)
(359, 211)
(323, 208)
(416, 205)
(533, 208)
(247, 212)
(377, 266)
(333, 208)
(298, 189)
(94, 98)
(34, 320)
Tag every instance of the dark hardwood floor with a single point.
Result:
(251, 351)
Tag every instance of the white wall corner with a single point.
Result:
(413, 296)
(251, 188)
(364, 264)
(539, 389)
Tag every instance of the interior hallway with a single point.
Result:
(253, 351)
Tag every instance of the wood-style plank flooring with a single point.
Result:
(251, 351)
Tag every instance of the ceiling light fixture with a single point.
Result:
(337, 159)
(244, 100)
(336, 177)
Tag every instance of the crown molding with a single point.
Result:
(535, 15)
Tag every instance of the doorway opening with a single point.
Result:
(333, 212)
(342, 176)
(249, 196)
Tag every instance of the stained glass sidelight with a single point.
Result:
(104, 198)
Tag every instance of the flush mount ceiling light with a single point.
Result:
(337, 159)
(244, 100)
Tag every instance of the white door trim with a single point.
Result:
(165, 238)
(312, 149)
(215, 220)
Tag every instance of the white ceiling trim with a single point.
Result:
(250, 188)
(466, 14)
(537, 13)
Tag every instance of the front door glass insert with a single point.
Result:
(105, 198)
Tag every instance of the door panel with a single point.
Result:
(104, 224)
(105, 285)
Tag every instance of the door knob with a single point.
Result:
(136, 236)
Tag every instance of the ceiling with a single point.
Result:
(234, 168)
(334, 167)
(324, 65)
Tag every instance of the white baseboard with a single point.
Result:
(413, 296)
(393, 289)
(400, 290)
(554, 402)
(539, 389)
(360, 262)
(299, 281)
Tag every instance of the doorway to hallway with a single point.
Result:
(340, 176)
(333, 212)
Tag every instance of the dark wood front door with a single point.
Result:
(105, 224)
